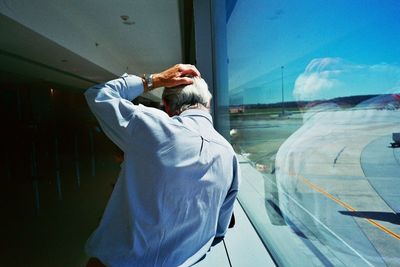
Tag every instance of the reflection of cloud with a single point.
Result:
(326, 78)
(324, 64)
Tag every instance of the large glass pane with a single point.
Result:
(314, 104)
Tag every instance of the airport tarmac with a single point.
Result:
(338, 181)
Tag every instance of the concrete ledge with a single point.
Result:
(242, 246)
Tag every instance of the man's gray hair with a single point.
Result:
(181, 98)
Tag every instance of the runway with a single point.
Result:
(381, 166)
(335, 180)
(340, 168)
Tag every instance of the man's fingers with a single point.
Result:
(183, 80)
(177, 81)
(180, 74)
(187, 69)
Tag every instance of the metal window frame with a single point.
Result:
(212, 59)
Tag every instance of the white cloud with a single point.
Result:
(308, 86)
(318, 76)
(332, 77)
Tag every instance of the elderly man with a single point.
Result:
(179, 179)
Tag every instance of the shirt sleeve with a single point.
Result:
(111, 103)
(227, 207)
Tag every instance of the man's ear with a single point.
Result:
(167, 109)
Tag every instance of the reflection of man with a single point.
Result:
(179, 178)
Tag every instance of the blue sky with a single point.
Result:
(328, 49)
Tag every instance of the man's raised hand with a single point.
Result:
(177, 75)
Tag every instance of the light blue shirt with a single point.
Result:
(177, 185)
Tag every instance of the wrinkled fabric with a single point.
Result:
(177, 185)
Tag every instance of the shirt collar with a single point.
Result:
(197, 112)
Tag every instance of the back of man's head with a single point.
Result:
(180, 98)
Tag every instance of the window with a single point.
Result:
(314, 113)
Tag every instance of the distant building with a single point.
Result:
(235, 110)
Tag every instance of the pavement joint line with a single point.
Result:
(345, 205)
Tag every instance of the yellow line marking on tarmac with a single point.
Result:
(347, 206)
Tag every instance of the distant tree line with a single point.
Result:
(345, 101)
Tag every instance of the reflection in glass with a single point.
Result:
(315, 109)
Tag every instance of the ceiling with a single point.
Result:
(79, 43)
(27, 56)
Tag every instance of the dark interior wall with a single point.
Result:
(37, 115)
(57, 172)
